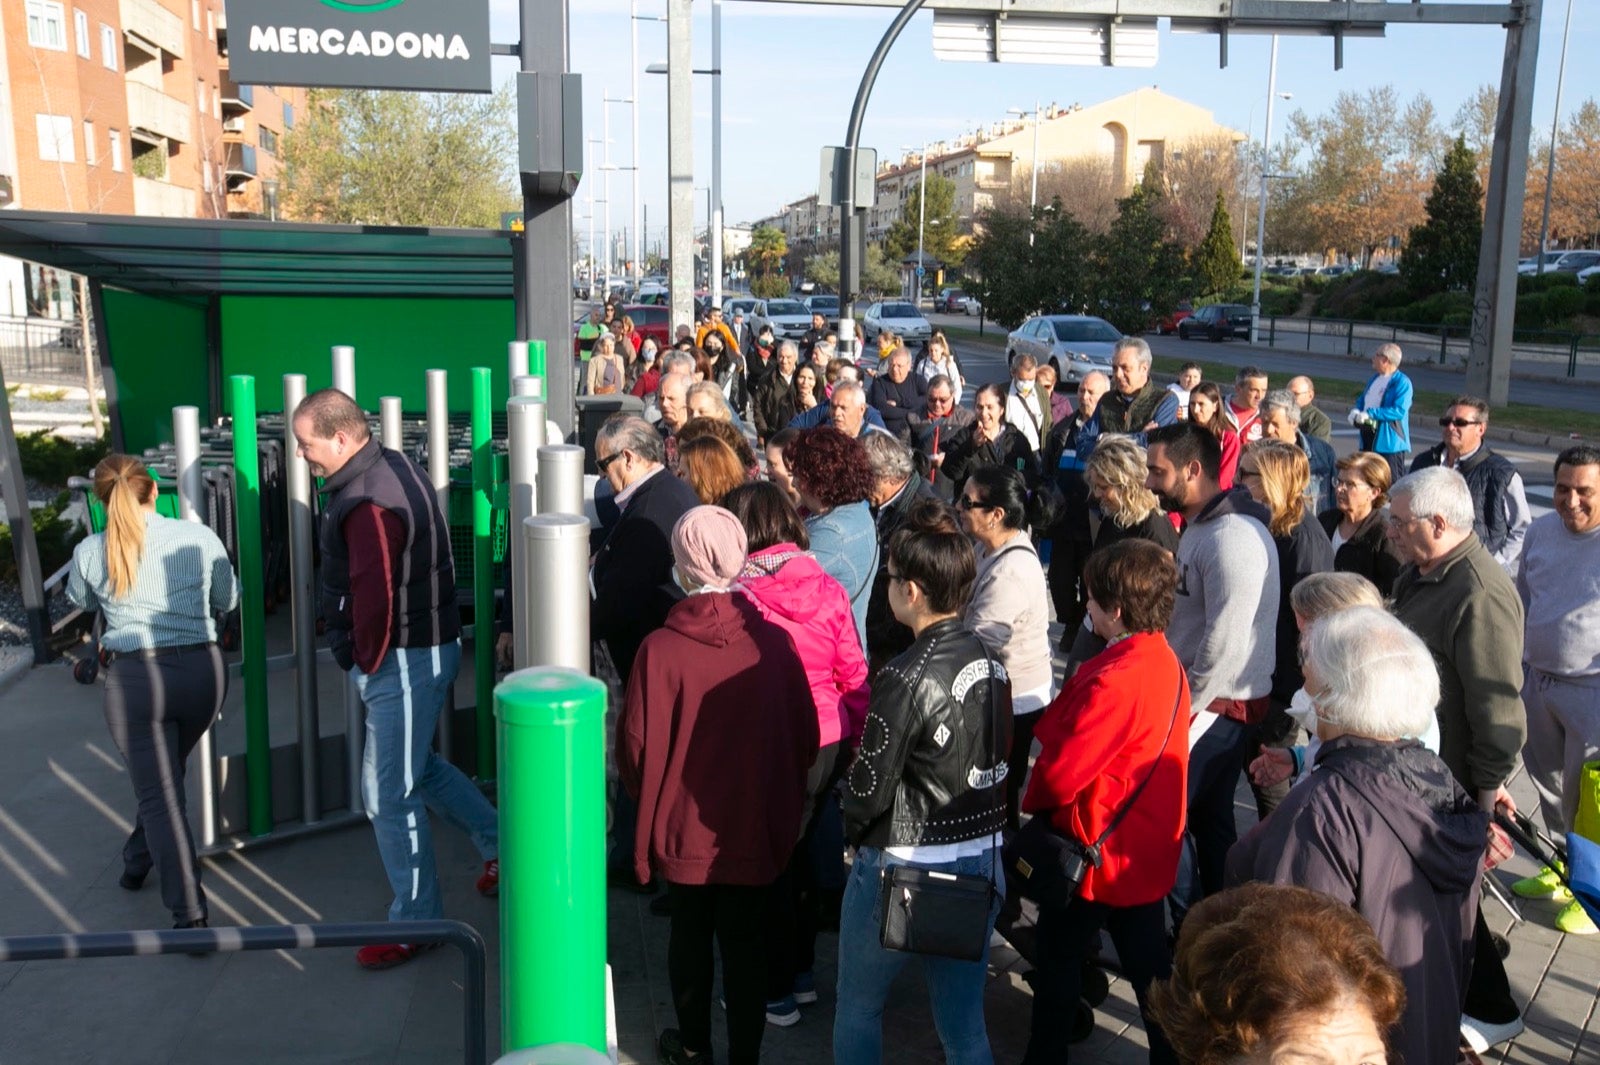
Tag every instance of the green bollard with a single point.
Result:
(536, 357)
(552, 858)
(252, 607)
(483, 566)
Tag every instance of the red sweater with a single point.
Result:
(1099, 739)
(715, 741)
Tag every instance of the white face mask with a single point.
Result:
(1303, 711)
(1024, 387)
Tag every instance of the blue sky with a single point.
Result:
(791, 72)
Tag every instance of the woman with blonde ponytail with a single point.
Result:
(159, 585)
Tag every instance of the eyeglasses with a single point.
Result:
(1248, 473)
(968, 503)
(601, 464)
(1400, 523)
(1459, 423)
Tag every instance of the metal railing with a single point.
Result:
(1563, 350)
(33, 346)
(280, 937)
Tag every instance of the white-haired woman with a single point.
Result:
(1382, 824)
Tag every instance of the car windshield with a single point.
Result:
(785, 307)
(825, 302)
(1081, 331)
(899, 310)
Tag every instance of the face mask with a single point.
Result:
(764, 342)
(648, 355)
(1303, 711)
(1024, 387)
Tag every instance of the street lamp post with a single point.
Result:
(1033, 166)
(1555, 129)
(1261, 201)
(922, 212)
(715, 224)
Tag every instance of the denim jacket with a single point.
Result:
(845, 543)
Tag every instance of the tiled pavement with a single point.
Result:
(64, 804)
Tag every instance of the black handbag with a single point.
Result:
(1047, 865)
(925, 911)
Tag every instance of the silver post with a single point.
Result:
(560, 488)
(553, 600)
(526, 385)
(517, 357)
(524, 436)
(186, 441)
(389, 422)
(302, 605)
(439, 477)
(344, 369)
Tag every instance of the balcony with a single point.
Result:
(152, 28)
(241, 164)
(153, 111)
(235, 97)
(160, 200)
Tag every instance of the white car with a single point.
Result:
(970, 305)
(1588, 272)
(1075, 344)
(1531, 265)
(898, 317)
(788, 318)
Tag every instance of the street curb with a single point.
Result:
(17, 670)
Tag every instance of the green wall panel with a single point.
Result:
(396, 340)
(158, 354)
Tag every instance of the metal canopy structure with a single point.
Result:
(207, 257)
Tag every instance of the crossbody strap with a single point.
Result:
(1122, 811)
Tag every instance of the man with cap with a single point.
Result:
(721, 792)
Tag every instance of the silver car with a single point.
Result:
(898, 317)
(1075, 344)
(788, 318)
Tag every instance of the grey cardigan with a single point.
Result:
(1010, 610)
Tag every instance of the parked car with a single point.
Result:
(745, 305)
(651, 320)
(1075, 344)
(970, 305)
(1531, 265)
(949, 300)
(898, 317)
(788, 317)
(826, 305)
(1334, 271)
(1217, 322)
(1588, 272)
(1575, 262)
(1169, 325)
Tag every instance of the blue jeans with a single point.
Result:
(1216, 762)
(402, 777)
(866, 969)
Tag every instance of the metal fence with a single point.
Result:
(1546, 352)
(43, 349)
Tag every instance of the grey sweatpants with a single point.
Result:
(1563, 733)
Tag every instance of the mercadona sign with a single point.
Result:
(361, 44)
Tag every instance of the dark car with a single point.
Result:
(1217, 322)
(950, 301)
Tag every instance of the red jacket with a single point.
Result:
(1099, 739)
(715, 741)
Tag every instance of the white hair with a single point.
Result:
(1377, 677)
(1391, 352)
(1138, 346)
(844, 388)
(1282, 401)
(1437, 492)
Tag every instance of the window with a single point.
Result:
(47, 25)
(88, 142)
(268, 141)
(205, 176)
(55, 139)
(108, 46)
(200, 94)
(116, 150)
(211, 25)
(288, 115)
(194, 10)
(80, 23)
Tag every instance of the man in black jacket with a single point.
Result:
(1499, 504)
(898, 394)
(896, 488)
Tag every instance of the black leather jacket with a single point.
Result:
(932, 764)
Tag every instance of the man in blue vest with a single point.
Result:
(389, 605)
(1499, 502)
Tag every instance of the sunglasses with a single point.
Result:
(1459, 423)
(601, 464)
(968, 503)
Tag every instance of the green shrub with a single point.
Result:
(1533, 310)
(1564, 302)
(57, 536)
(51, 459)
(1362, 296)
(48, 395)
(1530, 283)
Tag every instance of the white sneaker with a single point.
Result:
(1481, 1035)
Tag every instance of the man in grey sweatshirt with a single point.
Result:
(1223, 630)
(1559, 582)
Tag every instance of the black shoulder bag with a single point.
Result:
(1047, 865)
(926, 911)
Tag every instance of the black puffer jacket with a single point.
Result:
(932, 764)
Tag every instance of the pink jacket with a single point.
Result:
(791, 591)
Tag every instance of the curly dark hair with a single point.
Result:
(829, 466)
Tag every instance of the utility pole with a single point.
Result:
(1261, 200)
(922, 217)
(715, 222)
(638, 221)
(1555, 130)
(680, 160)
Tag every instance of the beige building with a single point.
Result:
(1131, 131)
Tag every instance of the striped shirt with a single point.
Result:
(184, 578)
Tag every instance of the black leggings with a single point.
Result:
(735, 918)
(794, 910)
(157, 710)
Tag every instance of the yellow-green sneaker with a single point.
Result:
(1574, 921)
(1546, 885)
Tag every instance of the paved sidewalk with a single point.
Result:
(64, 809)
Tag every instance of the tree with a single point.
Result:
(940, 227)
(1216, 260)
(409, 159)
(1442, 253)
(1139, 270)
(1576, 192)
(1193, 173)
(1001, 261)
(1086, 184)
(764, 259)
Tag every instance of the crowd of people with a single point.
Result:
(827, 595)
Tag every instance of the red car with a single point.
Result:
(1169, 325)
(648, 321)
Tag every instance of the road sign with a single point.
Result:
(1015, 38)
(920, 270)
(831, 188)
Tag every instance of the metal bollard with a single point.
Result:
(253, 637)
(553, 599)
(482, 567)
(552, 854)
(302, 604)
(389, 422)
(344, 369)
(191, 493)
(524, 436)
(517, 359)
(439, 477)
(536, 359)
(560, 479)
(528, 385)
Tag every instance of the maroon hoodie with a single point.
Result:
(715, 741)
